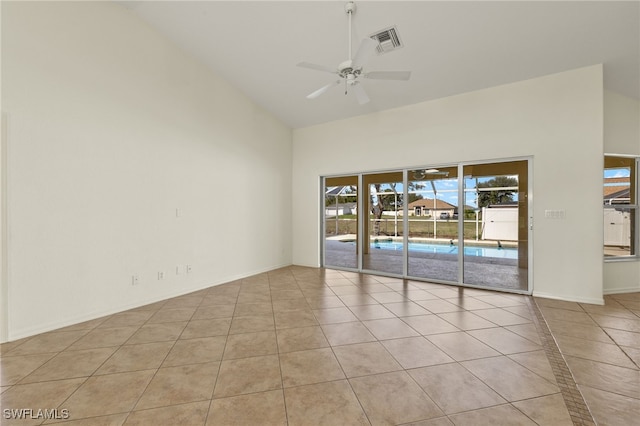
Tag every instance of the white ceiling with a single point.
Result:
(450, 47)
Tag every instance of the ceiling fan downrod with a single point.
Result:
(350, 8)
(347, 72)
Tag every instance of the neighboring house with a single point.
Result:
(616, 190)
(426, 207)
(342, 209)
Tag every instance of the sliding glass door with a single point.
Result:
(383, 245)
(461, 224)
(432, 216)
(341, 222)
(497, 196)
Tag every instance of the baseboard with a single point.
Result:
(592, 301)
(28, 332)
(622, 290)
(305, 265)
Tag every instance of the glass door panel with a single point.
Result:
(496, 225)
(383, 247)
(341, 222)
(433, 223)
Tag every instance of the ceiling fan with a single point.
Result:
(426, 173)
(351, 70)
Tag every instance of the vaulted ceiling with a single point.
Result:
(451, 47)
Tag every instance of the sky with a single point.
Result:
(446, 190)
(621, 172)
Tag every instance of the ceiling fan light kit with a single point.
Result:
(351, 70)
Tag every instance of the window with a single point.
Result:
(620, 200)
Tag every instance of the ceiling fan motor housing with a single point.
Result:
(346, 70)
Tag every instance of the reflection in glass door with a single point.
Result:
(383, 247)
(496, 199)
(341, 222)
(432, 216)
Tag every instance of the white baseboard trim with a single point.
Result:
(305, 265)
(593, 301)
(622, 290)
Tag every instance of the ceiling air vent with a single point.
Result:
(387, 39)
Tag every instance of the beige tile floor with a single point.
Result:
(601, 346)
(304, 346)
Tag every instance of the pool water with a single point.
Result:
(479, 251)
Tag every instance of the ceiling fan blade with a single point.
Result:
(388, 75)
(317, 67)
(323, 89)
(361, 95)
(365, 50)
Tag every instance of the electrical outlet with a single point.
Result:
(177, 270)
(160, 275)
(188, 269)
(135, 280)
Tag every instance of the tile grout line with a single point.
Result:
(344, 373)
(275, 332)
(615, 342)
(215, 382)
(578, 409)
(133, 410)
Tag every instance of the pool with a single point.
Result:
(478, 251)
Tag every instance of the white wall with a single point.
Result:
(111, 129)
(557, 119)
(621, 136)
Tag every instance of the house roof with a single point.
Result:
(611, 180)
(615, 191)
(612, 191)
(428, 202)
(620, 192)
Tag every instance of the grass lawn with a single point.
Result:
(418, 227)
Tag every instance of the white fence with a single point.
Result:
(500, 223)
(617, 228)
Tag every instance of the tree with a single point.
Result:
(486, 198)
(387, 199)
(414, 197)
(382, 203)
